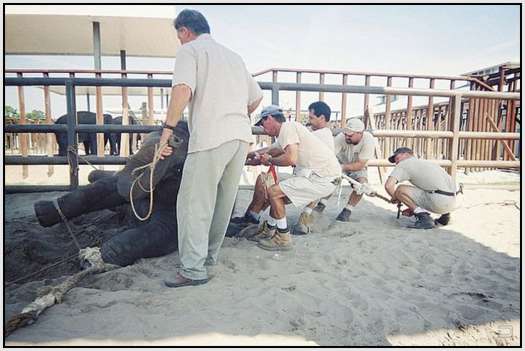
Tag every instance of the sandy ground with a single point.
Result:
(367, 282)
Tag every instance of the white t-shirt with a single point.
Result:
(222, 89)
(325, 134)
(349, 153)
(313, 154)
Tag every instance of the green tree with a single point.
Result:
(11, 112)
(36, 114)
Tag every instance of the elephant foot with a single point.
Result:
(46, 213)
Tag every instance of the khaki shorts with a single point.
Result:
(436, 203)
(303, 190)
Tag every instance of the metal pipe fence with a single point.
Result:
(72, 128)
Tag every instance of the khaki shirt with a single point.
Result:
(348, 153)
(313, 154)
(424, 174)
(221, 87)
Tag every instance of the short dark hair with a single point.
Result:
(193, 20)
(320, 108)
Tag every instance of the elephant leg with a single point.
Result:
(86, 147)
(98, 174)
(92, 197)
(118, 143)
(158, 237)
(112, 144)
(93, 143)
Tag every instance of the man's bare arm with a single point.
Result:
(354, 166)
(180, 96)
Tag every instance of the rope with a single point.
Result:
(67, 259)
(152, 165)
(73, 150)
(64, 219)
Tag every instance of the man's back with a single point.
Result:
(325, 135)
(424, 174)
(313, 153)
(222, 89)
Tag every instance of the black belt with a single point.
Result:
(447, 193)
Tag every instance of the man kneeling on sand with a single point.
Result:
(433, 190)
(316, 169)
(354, 147)
(318, 118)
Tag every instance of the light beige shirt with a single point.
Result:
(313, 154)
(424, 174)
(348, 153)
(325, 135)
(221, 87)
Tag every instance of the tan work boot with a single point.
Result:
(264, 232)
(278, 242)
(303, 225)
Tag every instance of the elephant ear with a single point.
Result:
(164, 169)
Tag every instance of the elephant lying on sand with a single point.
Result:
(156, 236)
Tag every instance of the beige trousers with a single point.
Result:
(209, 184)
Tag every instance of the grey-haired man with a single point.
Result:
(221, 93)
(316, 169)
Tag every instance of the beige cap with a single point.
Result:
(355, 125)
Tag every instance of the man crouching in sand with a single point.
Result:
(316, 169)
(433, 189)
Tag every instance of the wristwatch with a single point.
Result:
(167, 126)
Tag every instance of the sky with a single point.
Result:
(415, 39)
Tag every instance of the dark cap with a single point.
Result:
(273, 110)
(400, 150)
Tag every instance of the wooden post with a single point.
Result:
(475, 120)
(124, 137)
(298, 99)
(50, 137)
(343, 102)
(23, 137)
(512, 109)
(409, 113)
(456, 116)
(365, 105)
(485, 142)
(388, 118)
(321, 81)
(449, 122)
(505, 146)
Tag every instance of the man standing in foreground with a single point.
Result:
(221, 93)
(433, 189)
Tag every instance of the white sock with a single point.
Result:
(272, 221)
(419, 210)
(281, 223)
(349, 207)
(256, 215)
(307, 210)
